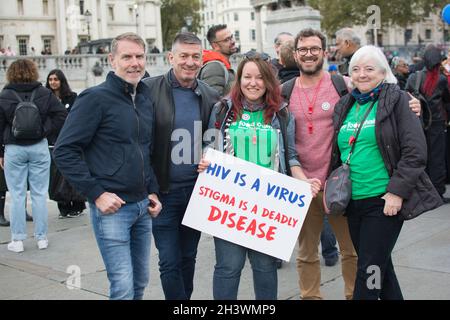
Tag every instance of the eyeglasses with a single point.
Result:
(254, 55)
(304, 51)
(227, 39)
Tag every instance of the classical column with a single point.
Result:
(61, 27)
(94, 24)
(141, 19)
(77, 23)
(104, 19)
(259, 41)
(158, 36)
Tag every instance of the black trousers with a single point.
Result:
(436, 165)
(448, 154)
(374, 236)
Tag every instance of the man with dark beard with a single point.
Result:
(312, 103)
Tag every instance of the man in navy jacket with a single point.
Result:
(104, 151)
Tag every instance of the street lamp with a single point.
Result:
(88, 17)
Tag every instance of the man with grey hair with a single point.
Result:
(347, 42)
(104, 151)
(281, 38)
(182, 107)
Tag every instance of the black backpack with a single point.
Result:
(27, 123)
(426, 111)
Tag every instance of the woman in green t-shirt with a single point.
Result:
(251, 121)
(387, 170)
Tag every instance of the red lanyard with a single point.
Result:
(311, 104)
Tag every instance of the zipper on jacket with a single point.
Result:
(138, 134)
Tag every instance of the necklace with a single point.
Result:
(309, 113)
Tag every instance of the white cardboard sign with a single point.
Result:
(249, 205)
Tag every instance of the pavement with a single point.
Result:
(421, 258)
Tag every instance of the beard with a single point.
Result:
(315, 70)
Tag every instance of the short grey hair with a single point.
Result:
(128, 36)
(277, 38)
(185, 38)
(348, 34)
(373, 53)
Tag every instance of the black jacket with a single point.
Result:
(106, 142)
(439, 102)
(51, 110)
(402, 145)
(285, 74)
(161, 93)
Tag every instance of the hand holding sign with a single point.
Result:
(248, 205)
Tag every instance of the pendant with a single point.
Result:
(310, 127)
(254, 139)
(351, 140)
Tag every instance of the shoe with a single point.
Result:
(28, 218)
(332, 261)
(74, 214)
(446, 200)
(42, 244)
(15, 246)
(62, 215)
(4, 222)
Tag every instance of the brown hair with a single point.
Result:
(309, 32)
(129, 36)
(22, 71)
(272, 97)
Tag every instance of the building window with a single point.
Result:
(1, 41)
(446, 36)
(82, 39)
(47, 43)
(45, 7)
(252, 16)
(212, 15)
(111, 13)
(237, 35)
(236, 16)
(81, 4)
(408, 35)
(253, 34)
(428, 34)
(20, 7)
(23, 45)
(207, 16)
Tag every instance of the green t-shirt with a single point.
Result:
(253, 140)
(367, 170)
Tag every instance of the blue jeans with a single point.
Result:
(124, 241)
(28, 163)
(176, 244)
(328, 241)
(230, 260)
(374, 236)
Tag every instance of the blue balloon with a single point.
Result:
(446, 13)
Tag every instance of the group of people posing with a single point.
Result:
(120, 147)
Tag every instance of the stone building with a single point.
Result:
(59, 25)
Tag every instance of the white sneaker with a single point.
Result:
(42, 244)
(15, 246)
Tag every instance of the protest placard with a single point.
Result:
(249, 205)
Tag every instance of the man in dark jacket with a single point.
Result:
(104, 151)
(347, 42)
(183, 106)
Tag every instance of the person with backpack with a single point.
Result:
(29, 113)
(57, 83)
(216, 70)
(253, 118)
(431, 86)
(311, 98)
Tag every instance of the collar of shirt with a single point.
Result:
(175, 84)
